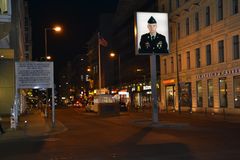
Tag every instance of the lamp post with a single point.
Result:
(56, 29)
(112, 54)
(177, 69)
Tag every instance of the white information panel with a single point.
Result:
(34, 75)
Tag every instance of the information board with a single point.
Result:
(34, 74)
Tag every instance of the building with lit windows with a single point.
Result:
(15, 37)
(202, 71)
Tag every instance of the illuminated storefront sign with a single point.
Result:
(168, 81)
(146, 87)
(219, 73)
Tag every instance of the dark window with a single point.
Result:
(198, 60)
(172, 65)
(178, 30)
(220, 10)
(236, 47)
(179, 62)
(165, 66)
(187, 26)
(163, 8)
(170, 5)
(196, 21)
(171, 34)
(188, 60)
(208, 54)
(208, 16)
(177, 4)
(221, 51)
(234, 6)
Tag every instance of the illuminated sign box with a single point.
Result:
(151, 33)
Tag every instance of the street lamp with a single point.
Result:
(112, 55)
(56, 29)
(177, 69)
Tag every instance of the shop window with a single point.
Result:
(210, 92)
(223, 92)
(199, 94)
(186, 96)
(236, 84)
(170, 96)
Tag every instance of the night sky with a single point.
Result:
(78, 18)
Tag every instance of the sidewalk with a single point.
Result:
(31, 125)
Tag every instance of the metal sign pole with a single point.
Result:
(154, 89)
(53, 102)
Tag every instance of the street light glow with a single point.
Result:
(49, 57)
(57, 29)
(112, 54)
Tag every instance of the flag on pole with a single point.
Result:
(102, 41)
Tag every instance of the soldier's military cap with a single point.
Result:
(152, 20)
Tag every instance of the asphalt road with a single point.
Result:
(130, 137)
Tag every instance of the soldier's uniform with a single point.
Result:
(154, 44)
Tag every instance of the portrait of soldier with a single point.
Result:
(153, 42)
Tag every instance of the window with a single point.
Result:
(198, 60)
(172, 65)
(187, 26)
(220, 10)
(188, 60)
(171, 34)
(165, 66)
(207, 16)
(196, 21)
(199, 94)
(234, 6)
(179, 62)
(208, 54)
(177, 4)
(236, 47)
(178, 30)
(223, 92)
(170, 5)
(210, 92)
(236, 86)
(163, 8)
(221, 51)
